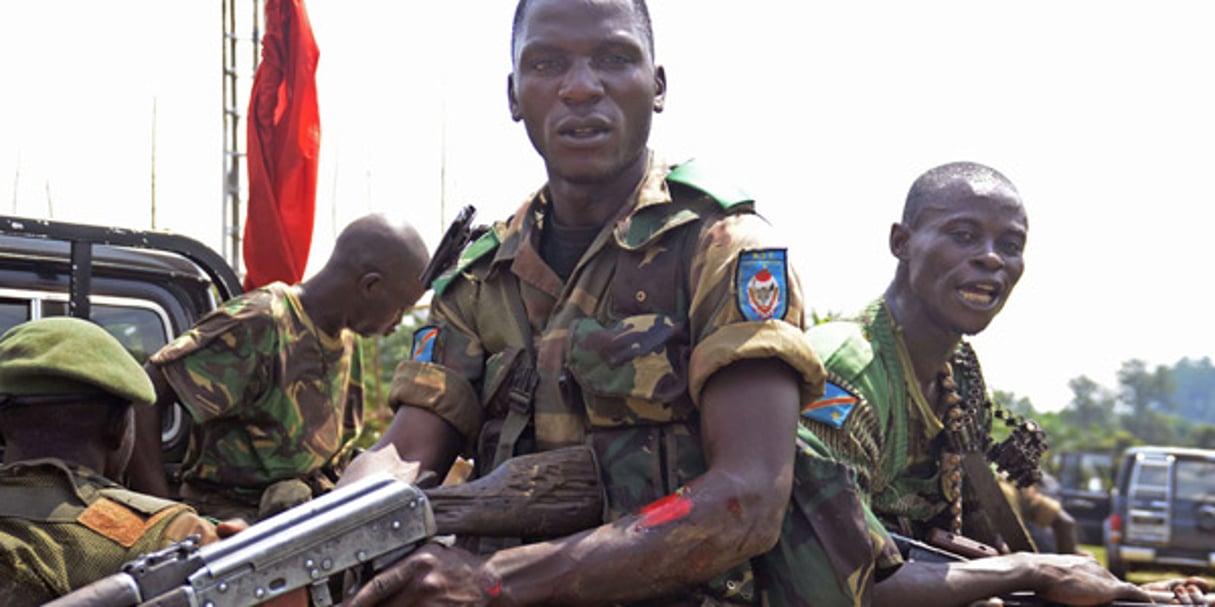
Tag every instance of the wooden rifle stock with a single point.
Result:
(959, 544)
(545, 494)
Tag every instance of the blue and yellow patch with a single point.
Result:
(424, 344)
(762, 284)
(833, 408)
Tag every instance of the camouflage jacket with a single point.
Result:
(870, 418)
(271, 396)
(832, 549)
(680, 285)
(64, 526)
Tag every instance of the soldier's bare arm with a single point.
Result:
(722, 518)
(1067, 579)
(418, 435)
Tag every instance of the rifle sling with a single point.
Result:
(983, 481)
(522, 385)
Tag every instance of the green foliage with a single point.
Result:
(831, 315)
(1162, 405)
(382, 355)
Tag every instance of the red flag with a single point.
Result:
(283, 141)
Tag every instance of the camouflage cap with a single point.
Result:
(68, 356)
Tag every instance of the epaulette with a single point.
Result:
(695, 175)
(471, 253)
(842, 347)
(139, 502)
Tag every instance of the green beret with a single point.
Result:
(64, 355)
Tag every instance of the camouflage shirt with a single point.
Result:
(63, 526)
(271, 396)
(681, 284)
(872, 417)
(832, 549)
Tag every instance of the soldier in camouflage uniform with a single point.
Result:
(633, 305)
(894, 377)
(273, 379)
(66, 390)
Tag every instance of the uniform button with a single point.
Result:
(640, 297)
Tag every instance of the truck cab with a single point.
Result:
(1162, 511)
(144, 287)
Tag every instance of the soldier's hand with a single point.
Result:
(432, 575)
(1186, 591)
(230, 527)
(1078, 580)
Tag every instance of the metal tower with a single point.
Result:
(242, 23)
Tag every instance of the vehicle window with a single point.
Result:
(1195, 480)
(1153, 476)
(141, 330)
(13, 312)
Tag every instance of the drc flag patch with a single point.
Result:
(763, 284)
(424, 344)
(833, 408)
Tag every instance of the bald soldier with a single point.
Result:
(273, 379)
(66, 393)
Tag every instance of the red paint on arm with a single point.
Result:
(665, 510)
(493, 588)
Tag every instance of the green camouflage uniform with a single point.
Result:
(869, 418)
(682, 284)
(832, 549)
(272, 398)
(63, 526)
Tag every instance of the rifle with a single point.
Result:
(949, 548)
(360, 528)
(454, 239)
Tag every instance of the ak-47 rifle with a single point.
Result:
(454, 239)
(360, 528)
(946, 547)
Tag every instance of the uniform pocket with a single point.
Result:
(633, 370)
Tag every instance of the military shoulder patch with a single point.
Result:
(762, 285)
(471, 253)
(695, 175)
(424, 344)
(833, 408)
(116, 521)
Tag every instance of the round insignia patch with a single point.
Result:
(763, 284)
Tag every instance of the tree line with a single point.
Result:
(1164, 405)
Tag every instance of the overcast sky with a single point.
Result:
(1102, 113)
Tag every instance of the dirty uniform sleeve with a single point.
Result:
(832, 549)
(446, 359)
(220, 364)
(726, 326)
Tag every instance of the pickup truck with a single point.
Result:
(145, 287)
(1162, 513)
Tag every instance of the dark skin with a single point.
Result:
(736, 514)
(366, 286)
(96, 436)
(585, 86)
(958, 262)
(959, 259)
